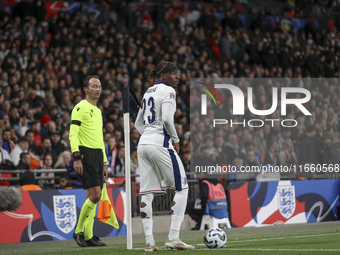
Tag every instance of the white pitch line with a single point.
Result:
(268, 239)
(280, 238)
(260, 249)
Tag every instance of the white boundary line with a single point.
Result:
(283, 237)
(254, 249)
(267, 239)
(260, 249)
(280, 238)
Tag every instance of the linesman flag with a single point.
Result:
(105, 212)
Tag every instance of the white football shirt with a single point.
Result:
(155, 119)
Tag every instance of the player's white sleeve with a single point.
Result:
(139, 122)
(168, 120)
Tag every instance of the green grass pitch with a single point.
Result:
(313, 238)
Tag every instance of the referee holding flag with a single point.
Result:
(90, 162)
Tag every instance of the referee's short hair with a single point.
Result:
(87, 80)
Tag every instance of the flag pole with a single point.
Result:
(126, 114)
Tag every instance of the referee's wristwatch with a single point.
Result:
(76, 155)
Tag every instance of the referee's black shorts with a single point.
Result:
(92, 160)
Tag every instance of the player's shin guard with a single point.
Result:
(84, 214)
(178, 207)
(89, 224)
(146, 215)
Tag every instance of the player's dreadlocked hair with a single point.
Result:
(162, 67)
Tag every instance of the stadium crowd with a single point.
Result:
(43, 63)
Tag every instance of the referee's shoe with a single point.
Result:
(95, 241)
(80, 239)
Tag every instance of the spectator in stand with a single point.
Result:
(307, 147)
(51, 127)
(277, 136)
(7, 143)
(112, 154)
(213, 152)
(287, 156)
(21, 146)
(44, 120)
(66, 104)
(14, 117)
(63, 160)
(50, 103)
(58, 119)
(118, 134)
(331, 153)
(237, 163)
(27, 181)
(251, 159)
(47, 165)
(6, 105)
(119, 167)
(64, 182)
(145, 22)
(5, 123)
(5, 164)
(186, 156)
(30, 138)
(134, 138)
(25, 161)
(36, 128)
(24, 124)
(57, 146)
(75, 178)
(66, 141)
(47, 145)
(4, 157)
(271, 157)
(197, 139)
(202, 158)
(267, 131)
(231, 149)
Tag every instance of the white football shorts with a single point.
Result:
(160, 169)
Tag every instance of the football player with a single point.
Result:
(160, 165)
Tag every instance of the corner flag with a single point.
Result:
(130, 102)
(130, 105)
(105, 212)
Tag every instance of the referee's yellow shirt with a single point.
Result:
(87, 127)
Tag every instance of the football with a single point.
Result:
(215, 238)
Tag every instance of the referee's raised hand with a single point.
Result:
(78, 167)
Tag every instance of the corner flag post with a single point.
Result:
(126, 114)
(130, 105)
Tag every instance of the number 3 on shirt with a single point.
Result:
(151, 106)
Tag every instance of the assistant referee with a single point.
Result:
(90, 162)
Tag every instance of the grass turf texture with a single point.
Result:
(313, 238)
